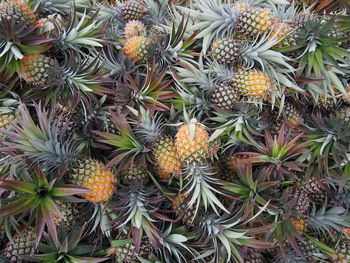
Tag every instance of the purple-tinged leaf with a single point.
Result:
(18, 186)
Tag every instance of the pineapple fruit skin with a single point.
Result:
(19, 11)
(23, 245)
(226, 51)
(137, 48)
(93, 175)
(131, 10)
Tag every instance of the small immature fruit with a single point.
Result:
(165, 155)
(137, 48)
(254, 21)
(38, 70)
(23, 244)
(128, 254)
(252, 83)
(226, 51)
(131, 10)
(225, 96)
(134, 28)
(92, 175)
(181, 208)
(192, 141)
(17, 11)
(135, 174)
(6, 119)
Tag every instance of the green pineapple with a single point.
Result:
(225, 96)
(343, 251)
(302, 204)
(23, 244)
(184, 211)
(131, 10)
(254, 256)
(135, 174)
(70, 213)
(125, 251)
(226, 50)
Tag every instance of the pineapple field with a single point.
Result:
(175, 131)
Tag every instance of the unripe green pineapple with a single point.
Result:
(226, 51)
(225, 96)
(135, 174)
(316, 189)
(17, 11)
(302, 204)
(39, 70)
(128, 254)
(131, 10)
(23, 244)
(292, 116)
(181, 208)
(301, 19)
(311, 252)
(343, 251)
(70, 214)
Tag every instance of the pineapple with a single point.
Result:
(166, 157)
(192, 141)
(38, 70)
(135, 174)
(134, 28)
(254, 21)
(252, 83)
(316, 189)
(226, 51)
(299, 223)
(70, 214)
(343, 251)
(234, 163)
(225, 96)
(6, 119)
(92, 175)
(131, 10)
(23, 244)
(310, 251)
(136, 48)
(183, 211)
(301, 19)
(284, 32)
(292, 117)
(126, 253)
(302, 200)
(18, 11)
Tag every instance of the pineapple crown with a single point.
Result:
(39, 196)
(149, 128)
(42, 143)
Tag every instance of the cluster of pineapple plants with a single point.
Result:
(174, 131)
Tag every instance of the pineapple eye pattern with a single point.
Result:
(184, 131)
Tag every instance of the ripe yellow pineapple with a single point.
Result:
(253, 21)
(18, 11)
(166, 157)
(38, 70)
(192, 141)
(92, 175)
(252, 83)
(299, 223)
(134, 28)
(137, 48)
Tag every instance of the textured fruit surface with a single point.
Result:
(134, 28)
(17, 11)
(135, 173)
(23, 244)
(128, 253)
(226, 50)
(136, 48)
(92, 175)
(252, 83)
(37, 69)
(6, 119)
(131, 10)
(225, 96)
(181, 208)
(254, 21)
(192, 141)
(165, 155)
